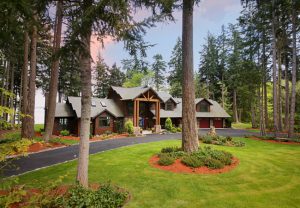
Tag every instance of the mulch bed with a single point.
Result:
(38, 146)
(178, 167)
(274, 141)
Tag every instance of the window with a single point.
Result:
(104, 121)
(204, 107)
(169, 106)
(63, 122)
(130, 108)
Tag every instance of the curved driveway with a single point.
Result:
(43, 159)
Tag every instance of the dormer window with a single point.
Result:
(203, 106)
(169, 106)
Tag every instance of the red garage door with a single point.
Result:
(218, 123)
(204, 123)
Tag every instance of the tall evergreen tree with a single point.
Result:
(175, 65)
(190, 141)
(159, 68)
(102, 79)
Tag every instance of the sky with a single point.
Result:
(209, 16)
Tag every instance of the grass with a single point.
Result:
(38, 127)
(268, 176)
(241, 125)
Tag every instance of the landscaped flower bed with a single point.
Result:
(220, 140)
(56, 196)
(205, 160)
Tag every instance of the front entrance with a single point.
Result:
(145, 107)
(145, 115)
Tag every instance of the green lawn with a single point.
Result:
(241, 125)
(268, 176)
(38, 127)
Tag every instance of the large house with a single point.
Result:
(146, 107)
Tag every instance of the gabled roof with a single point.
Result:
(198, 100)
(133, 92)
(63, 110)
(166, 96)
(216, 111)
(97, 108)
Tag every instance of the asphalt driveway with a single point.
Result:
(51, 157)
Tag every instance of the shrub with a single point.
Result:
(64, 133)
(168, 124)
(15, 147)
(166, 159)
(129, 127)
(229, 138)
(223, 157)
(207, 139)
(173, 129)
(119, 126)
(10, 137)
(170, 149)
(238, 143)
(106, 196)
(192, 161)
(179, 129)
(213, 163)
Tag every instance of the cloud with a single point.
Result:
(216, 10)
(97, 48)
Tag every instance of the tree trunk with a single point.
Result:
(261, 110)
(275, 108)
(24, 98)
(287, 95)
(29, 128)
(3, 84)
(253, 116)
(279, 94)
(264, 84)
(54, 74)
(234, 106)
(294, 73)
(6, 98)
(190, 141)
(12, 84)
(86, 91)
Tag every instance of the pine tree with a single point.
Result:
(102, 79)
(159, 67)
(190, 141)
(175, 65)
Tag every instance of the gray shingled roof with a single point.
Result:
(63, 110)
(216, 111)
(165, 96)
(133, 92)
(66, 110)
(110, 106)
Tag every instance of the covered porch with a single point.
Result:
(143, 106)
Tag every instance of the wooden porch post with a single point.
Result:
(157, 113)
(137, 112)
(134, 113)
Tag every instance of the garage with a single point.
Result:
(218, 123)
(204, 123)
